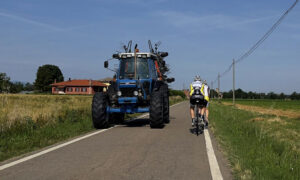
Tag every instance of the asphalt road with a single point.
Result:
(132, 151)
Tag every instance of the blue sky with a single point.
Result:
(202, 37)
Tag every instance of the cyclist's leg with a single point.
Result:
(192, 112)
(199, 110)
(202, 109)
(202, 114)
(207, 111)
(192, 107)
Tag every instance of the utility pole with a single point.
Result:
(233, 82)
(219, 94)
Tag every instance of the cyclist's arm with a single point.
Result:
(206, 93)
(191, 90)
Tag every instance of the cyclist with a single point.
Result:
(196, 84)
(205, 92)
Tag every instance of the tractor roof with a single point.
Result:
(138, 54)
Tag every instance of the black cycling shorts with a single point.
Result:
(202, 103)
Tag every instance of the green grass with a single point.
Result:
(257, 147)
(42, 120)
(268, 103)
(29, 136)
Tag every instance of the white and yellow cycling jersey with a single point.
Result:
(203, 88)
(195, 84)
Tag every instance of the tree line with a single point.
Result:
(173, 92)
(45, 76)
(240, 94)
(7, 86)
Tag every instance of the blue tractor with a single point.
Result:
(140, 85)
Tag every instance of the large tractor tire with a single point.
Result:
(99, 114)
(166, 110)
(156, 109)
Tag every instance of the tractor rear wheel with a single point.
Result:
(99, 114)
(156, 109)
(166, 105)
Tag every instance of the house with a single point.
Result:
(76, 86)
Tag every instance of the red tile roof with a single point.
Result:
(79, 82)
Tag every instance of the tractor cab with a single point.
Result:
(136, 66)
(135, 78)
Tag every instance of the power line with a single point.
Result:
(259, 42)
(227, 70)
(266, 35)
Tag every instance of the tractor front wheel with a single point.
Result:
(157, 109)
(99, 114)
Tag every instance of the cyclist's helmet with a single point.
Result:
(197, 78)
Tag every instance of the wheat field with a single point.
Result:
(43, 109)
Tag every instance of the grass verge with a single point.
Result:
(30, 136)
(256, 148)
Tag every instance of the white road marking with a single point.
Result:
(51, 149)
(61, 145)
(213, 163)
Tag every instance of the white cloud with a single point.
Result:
(207, 22)
(36, 23)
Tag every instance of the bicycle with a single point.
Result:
(199, 121)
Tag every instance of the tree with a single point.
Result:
(28, 87)
(4, 83)
(272, 95)
(16, 87)
(239, 93)
(295, 96)
(227, 94)
(281, 96)
(46, 75)
(251, 95)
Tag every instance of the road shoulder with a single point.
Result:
(223, 162)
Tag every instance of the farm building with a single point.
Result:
(83, 86)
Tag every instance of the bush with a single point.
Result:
(173, 92)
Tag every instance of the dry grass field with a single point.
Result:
(42, 109)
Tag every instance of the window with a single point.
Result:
(69, 89)
(84, 89)
(127, 68)
(153, 70)
(77, 89)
